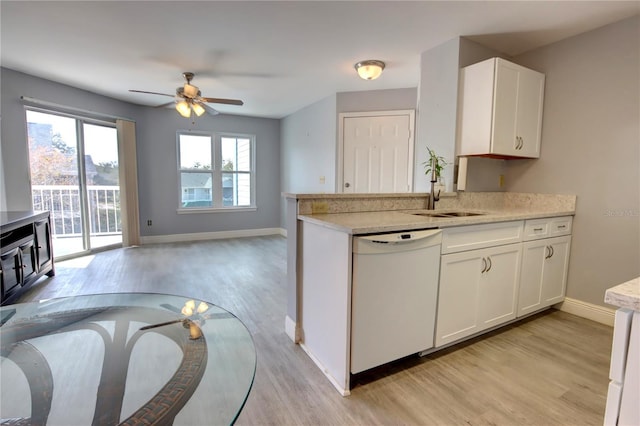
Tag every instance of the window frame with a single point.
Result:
(216, 172)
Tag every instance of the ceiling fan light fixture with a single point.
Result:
(198, 109)
(183, 109)
(369, 69)
(190, 91)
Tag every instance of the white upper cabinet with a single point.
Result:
(501, 112)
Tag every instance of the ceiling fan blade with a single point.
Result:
(150, 93)
(209, 110)
(222, 101)
(165, 105)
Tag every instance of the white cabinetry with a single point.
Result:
(501, 113)
(545, 263)
(478, 287)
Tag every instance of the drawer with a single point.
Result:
(548, 227)
(560, 226)
(463, 238)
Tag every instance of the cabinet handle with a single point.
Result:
(490, 264)
(484, 265)
(562, 226)
(538, 229)
(550, 252)
(548, 255)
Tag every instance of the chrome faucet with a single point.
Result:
(433, 197)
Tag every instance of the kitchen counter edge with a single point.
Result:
(625, 295)
(393, 221)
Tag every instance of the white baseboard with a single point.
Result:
(596, 313)
(201, 236)
(283, 232)
(291, 328)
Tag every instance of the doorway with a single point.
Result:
(75, 175)
(376, 152)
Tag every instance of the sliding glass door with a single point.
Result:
(74, 175)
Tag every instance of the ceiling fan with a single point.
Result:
(189, 101)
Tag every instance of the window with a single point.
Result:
(216, 171)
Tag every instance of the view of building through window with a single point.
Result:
(228, 183)
(64, 186)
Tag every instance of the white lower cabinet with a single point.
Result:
(478, 290)
(491, 274)
(543, 280)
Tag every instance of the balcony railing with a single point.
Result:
(63, 201)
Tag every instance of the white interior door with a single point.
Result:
(377, 152)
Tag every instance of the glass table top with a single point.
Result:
(126, 358)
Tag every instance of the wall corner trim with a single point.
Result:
(291, 329)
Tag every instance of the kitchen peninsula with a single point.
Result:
(515, 236)
(624, 388)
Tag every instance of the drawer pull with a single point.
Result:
(538, 229)
(562, 226)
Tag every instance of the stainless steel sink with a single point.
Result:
(447, 214)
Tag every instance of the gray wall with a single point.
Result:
(437, 118)
(437, 109)
(310, 137)
(377, 100)
(308, 150)
(590, 147)
(156, 148)
(3, 195)
(158, 176)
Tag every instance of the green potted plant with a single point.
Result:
(440, 163)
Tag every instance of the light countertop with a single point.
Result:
(392, 221)
(625, 295)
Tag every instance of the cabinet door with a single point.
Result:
(28, 260)
(529, 112)
(460, 276)
(11, 267)
(533, 259)
(43, 244)
(543, 280)
(505, 109)
(499, 285)
(555, 270)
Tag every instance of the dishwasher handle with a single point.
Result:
(398, 241)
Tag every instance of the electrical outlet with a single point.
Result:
(322, 180)
(501, 181)
(149, 222)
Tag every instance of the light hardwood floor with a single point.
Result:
(550, 369)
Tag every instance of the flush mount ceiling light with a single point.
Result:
(369, 69)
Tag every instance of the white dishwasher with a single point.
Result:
(394, 295)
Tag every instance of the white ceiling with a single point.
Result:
(276, 56)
